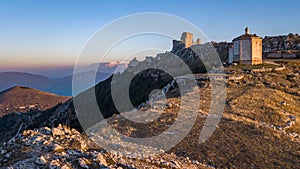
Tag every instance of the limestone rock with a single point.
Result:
(41, 160)
(54, 164)
(57, 147)
(50, 148)
(57, 132)
(101, 159)
(82, 163)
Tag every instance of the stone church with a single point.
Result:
(246, 49)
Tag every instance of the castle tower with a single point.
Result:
(187, 39)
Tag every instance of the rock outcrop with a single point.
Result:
(66, 148)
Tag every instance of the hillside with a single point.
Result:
(283, 42)
(24, 99)
(259, 127)
(60, 86)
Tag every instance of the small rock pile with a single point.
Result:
(66, 148)
(290, 121)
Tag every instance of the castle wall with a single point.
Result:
(289, 55)
(177, 45)
(198, 42)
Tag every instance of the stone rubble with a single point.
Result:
(65, 148)
(291, 120)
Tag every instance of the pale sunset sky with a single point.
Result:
(51, 33)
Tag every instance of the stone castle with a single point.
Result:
(245, 49)
(186, 41)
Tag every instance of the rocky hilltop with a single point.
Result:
(66, 148)
(284, 46)
(282, 42)
(253, 132)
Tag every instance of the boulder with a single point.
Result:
(41, 160)
(82, 163)
(57, 147)
(57, 132)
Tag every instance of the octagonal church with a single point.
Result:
(246, 49)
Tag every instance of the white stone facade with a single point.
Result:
(247, 49)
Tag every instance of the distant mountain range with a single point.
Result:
(60, 86)
(61, 72)
(24, 99)
(58, 80)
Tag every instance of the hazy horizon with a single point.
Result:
(60, 71)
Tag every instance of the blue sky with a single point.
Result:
(37, 33)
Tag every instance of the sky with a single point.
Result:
(52, 33)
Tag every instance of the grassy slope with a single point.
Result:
(241, 140)
(13, 98)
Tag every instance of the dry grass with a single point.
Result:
(12, 99)
(243, 139)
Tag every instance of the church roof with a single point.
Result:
(246, 36)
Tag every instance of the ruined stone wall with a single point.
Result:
(275, 55)
(289, 55)
(197, 42)
(279, 54)
(281, 43)
(177, 45)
